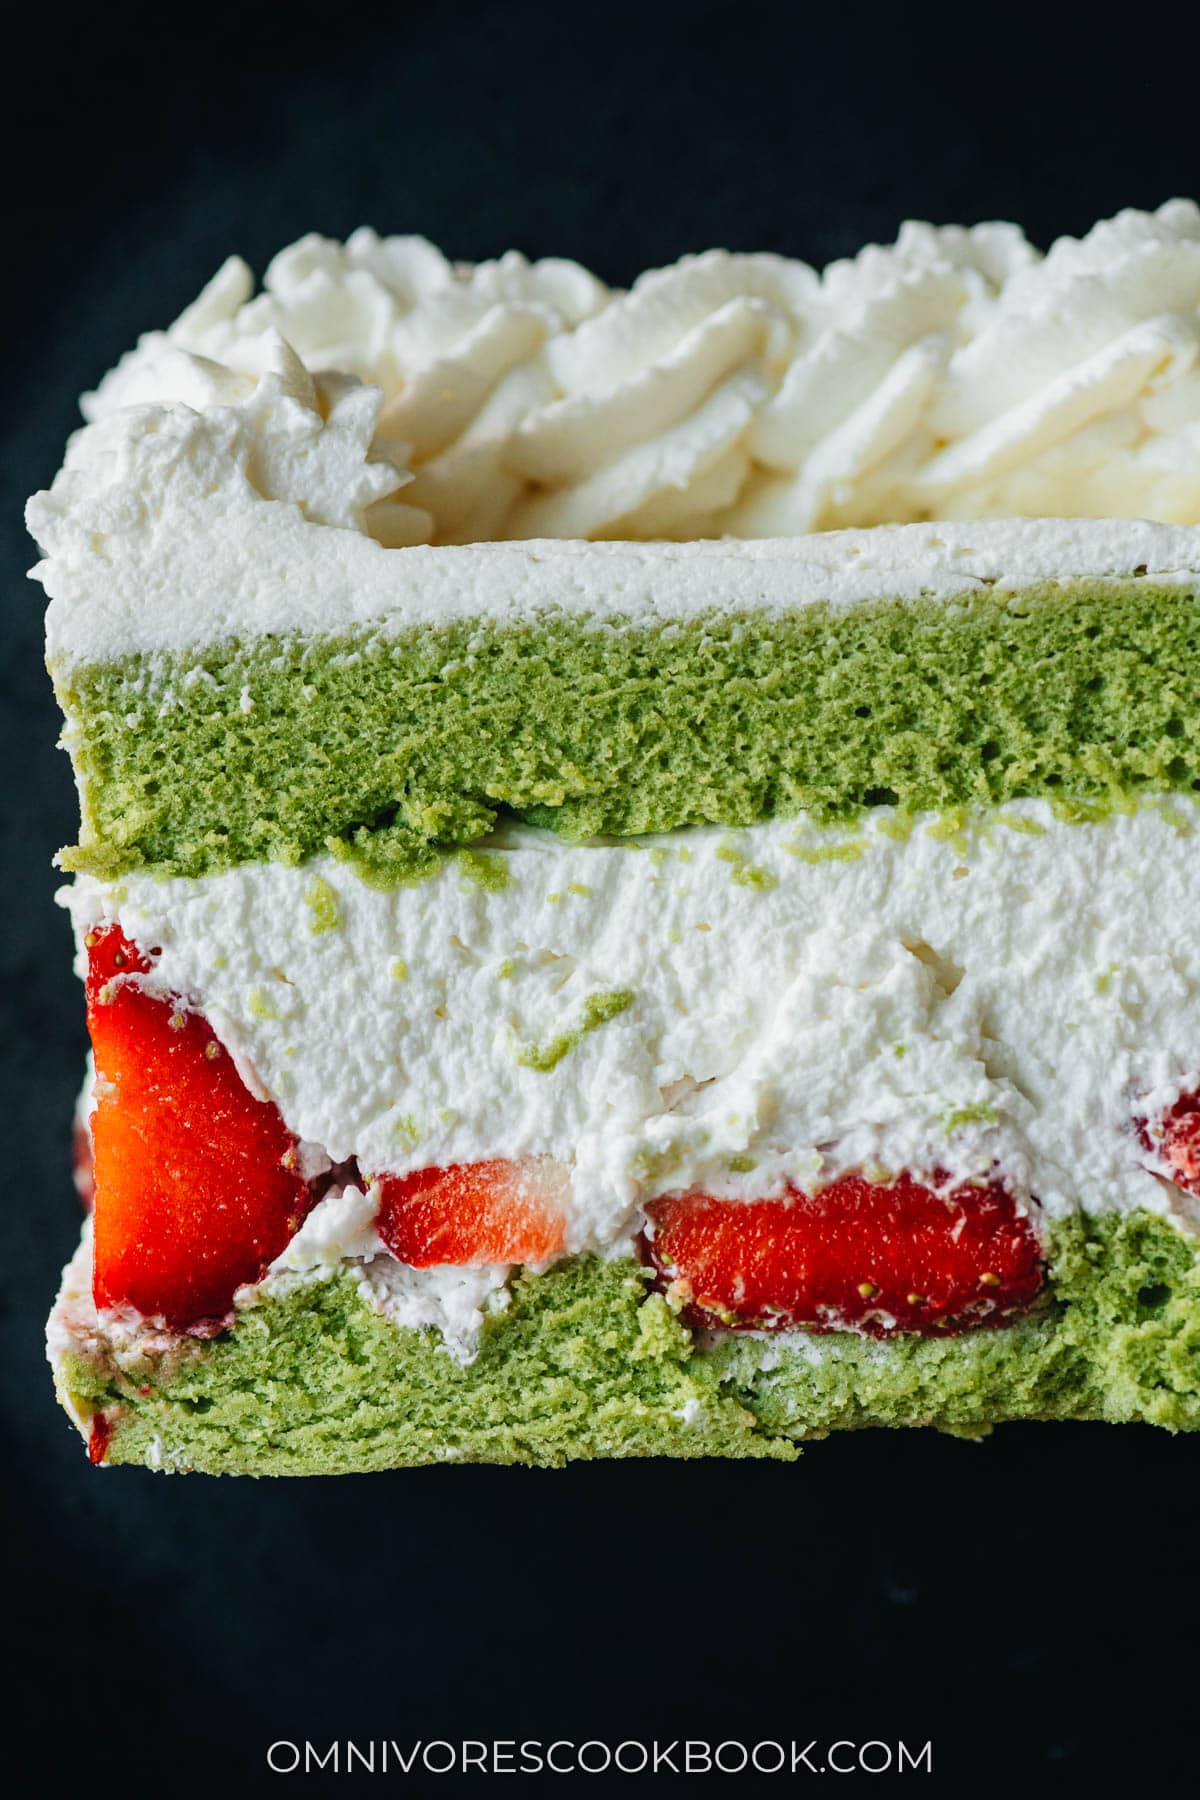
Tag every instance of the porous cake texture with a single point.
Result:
(587, 1363)
(393, 749)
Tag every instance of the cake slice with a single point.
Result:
(673, 995)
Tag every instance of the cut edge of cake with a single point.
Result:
(242, 609)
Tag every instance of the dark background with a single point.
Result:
(1029, 1604)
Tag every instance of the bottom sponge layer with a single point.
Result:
(588, 1362)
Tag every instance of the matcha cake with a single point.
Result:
(636, 876)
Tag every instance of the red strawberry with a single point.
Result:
(856, 1255)
(195, 1185)
(473, 1213)
(1176, 1139)
(110, 954)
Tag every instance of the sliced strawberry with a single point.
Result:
(110, 954)
(856, 1255)
(196, 1189)
(1176, 1139)
(474, 1213)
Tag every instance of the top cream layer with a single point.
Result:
(230, 484)
(267, 573)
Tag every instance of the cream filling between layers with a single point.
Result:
(732, 1011)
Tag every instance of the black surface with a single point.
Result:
(1027, 1604)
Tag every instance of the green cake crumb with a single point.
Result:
(1079, 810)
(322, 903)
(383, 857)
(491, 873)
(1175, 819)
(588, 1361)
(598, 1009)
(1018, 822)
(978, 1113)
(1078, 692)
(744, 873)
(951, 829)
(407, 1130)
(898, 825)
(848, 851)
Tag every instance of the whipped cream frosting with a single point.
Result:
(250, 568)
(955, 374)
(1005, 997)
(246, 470)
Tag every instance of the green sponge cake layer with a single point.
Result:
(586, 1362)
(393, 748)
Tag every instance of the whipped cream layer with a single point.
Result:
(252, 568)
(235, 460)
(726, 1011)
(957, 373)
